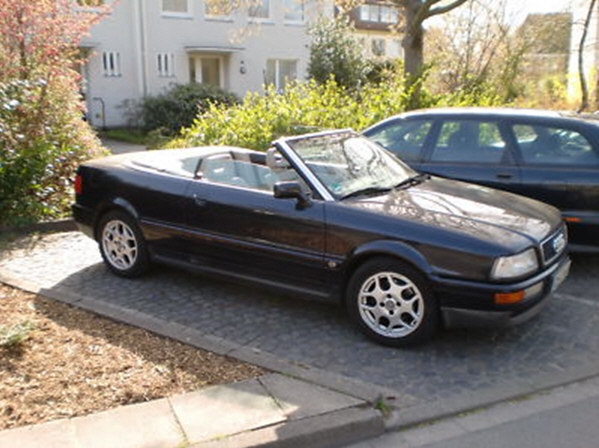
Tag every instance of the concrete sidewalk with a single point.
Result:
(273, 410)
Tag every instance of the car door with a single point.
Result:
(560, 166)
(241, 228)
(473, 150)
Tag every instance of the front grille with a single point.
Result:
(553, 246)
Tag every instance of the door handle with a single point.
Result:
(200, 201)
(504, 176)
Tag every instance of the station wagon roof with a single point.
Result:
(498, 112)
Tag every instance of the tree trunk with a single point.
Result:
(584, 103)
(413, 40)
(413, 47)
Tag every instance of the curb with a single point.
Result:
(338, 428)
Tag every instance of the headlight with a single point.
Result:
(515, 265)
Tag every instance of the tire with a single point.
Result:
(122, 245)
(392, 303)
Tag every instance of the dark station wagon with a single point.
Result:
(330, 216)
(549, 156)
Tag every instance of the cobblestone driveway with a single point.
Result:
(561, 343)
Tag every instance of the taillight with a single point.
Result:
(78, 184)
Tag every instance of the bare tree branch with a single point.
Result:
(426, 10)
(444, 9)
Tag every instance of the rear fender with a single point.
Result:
(117, 203)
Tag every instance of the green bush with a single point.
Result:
(42, 140)
(178, 107)
(260, 119)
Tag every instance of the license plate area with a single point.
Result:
(560, 275)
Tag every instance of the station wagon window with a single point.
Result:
(404, 138)
(469, 141)
(545, 145)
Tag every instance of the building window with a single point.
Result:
(389, 14)
(175, 6)
(90, 3)
(111, 63)
(260, 9)
(166, 65)
(218, 8)
(379, 14)
(378, 47)
(280, 72)
(205, 70)
(294, 10)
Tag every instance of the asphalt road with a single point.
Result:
(456, 370)
(563, 417)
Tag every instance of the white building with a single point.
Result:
(376, 23)
(144, 46)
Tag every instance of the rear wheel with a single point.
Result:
(122, 245)
(392, 303)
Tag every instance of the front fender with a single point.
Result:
(388, 248)
(382, 248)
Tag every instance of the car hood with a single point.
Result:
(479, 212)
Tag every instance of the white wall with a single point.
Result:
(138, 30)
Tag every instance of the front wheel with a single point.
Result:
(392, 303)
(122, 245)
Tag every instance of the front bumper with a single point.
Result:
(464, 304)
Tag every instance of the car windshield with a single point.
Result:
(349, 165)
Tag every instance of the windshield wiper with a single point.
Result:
(367, 191)
(414, 180)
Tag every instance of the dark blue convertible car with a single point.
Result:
(330, 216)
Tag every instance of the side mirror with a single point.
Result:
(292, 190)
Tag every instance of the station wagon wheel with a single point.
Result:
(122, 245)
(392, 303)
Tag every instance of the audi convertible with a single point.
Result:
(332, 216)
